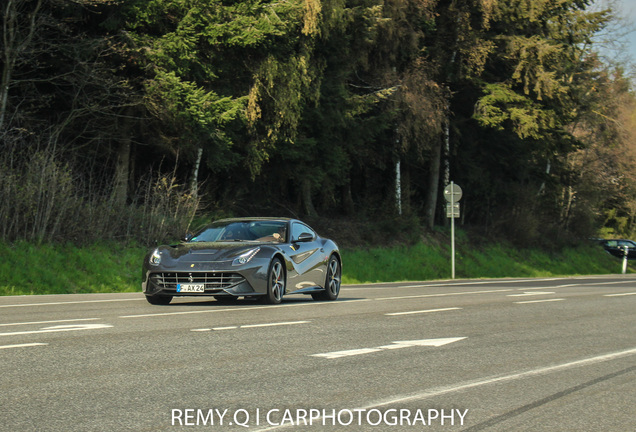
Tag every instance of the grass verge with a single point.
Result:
(110, 267)
(26, 268)
(430, 262)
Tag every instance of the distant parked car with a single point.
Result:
(617, 247)
(248, 257)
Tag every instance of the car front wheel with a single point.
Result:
(276, 278)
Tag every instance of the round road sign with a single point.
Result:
(452, 193)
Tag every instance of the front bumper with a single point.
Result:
(224, 280)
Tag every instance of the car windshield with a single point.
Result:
(257, 231)
(620, 243)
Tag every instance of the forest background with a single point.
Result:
(136, 120)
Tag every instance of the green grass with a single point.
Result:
(60, 269)
(110, 267)
(430, 262)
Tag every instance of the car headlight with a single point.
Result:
(245, 257)
(155, 258)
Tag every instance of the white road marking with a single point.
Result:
(274, 324)
(61, 328)
(48, 322)
(504, 378)
(489, 282)
(248, 308)
(312, 304)
(534, 293)
(394, 345)
(620, 295)
(422, 342)
(442, 294)
(630, 281)
(69, 302)
(439, 391)
(341, 302)
(22, 345)
(252, 326)
(392, 285)
(349, 301)
(347, 353)
(422, 311)
(539, 301)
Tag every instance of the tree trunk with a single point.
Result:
(4, 91)
(347, 199)
(120, 186)
(447, 178)
(308, 205)
(433, 186)
(398, 187)
(132, 166)
(13, 46)
(406, 188)
(122, 170)
(194, 178)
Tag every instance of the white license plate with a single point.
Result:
(187, 287)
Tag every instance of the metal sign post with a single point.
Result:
(452, 194)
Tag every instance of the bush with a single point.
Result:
(42, 201)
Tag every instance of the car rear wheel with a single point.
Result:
(276, 278)
(332, 282)
(159, 300)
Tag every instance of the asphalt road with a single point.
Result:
(487, 355)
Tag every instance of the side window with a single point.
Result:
(299, 228)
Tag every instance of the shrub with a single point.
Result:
(42, 201)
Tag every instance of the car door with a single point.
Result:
(629, 246)
(612, 247)
(306, 256)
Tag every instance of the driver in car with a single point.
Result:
(278, 236)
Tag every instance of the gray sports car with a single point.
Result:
(247, 257)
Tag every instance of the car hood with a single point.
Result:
(206, 251)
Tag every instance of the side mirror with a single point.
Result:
(186, 238)
(305, 237)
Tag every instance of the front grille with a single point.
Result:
(213, 281)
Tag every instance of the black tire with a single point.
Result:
(276, 280)
(159, 300)
(332, 281)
